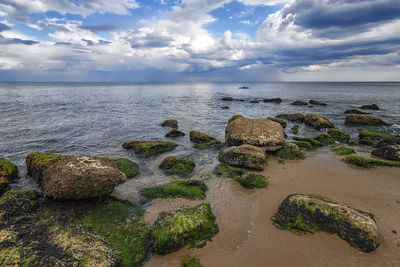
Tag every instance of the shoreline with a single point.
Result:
(247, 236)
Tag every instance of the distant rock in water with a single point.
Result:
(389, 152)
(317, 103)
(149, 148)
(312, 213)
(257, 132)
(227, 98)
(364, 120)
(244, 156)
(243, 87)
(170, 123)
(255, 101)
(281, 122)
(354, 111)
(372, 107)
(295, 117)
(81, 177)
(272, 100)
(225, 107)
(174, 133)
(318, 122)
(299, 103)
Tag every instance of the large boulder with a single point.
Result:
(389, 152)
(149, 148)
(81, 177)
(257, 132)
(318, 122)
(311, 213)
(356, 119)
(8, 173)
(176, 228)
(244, 156)
(295, 117)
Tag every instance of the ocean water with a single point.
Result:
(96, 118)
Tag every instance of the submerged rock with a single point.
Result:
(247, 179)
(354, 111)
(174, 133)
(295, 117)
(176, 228)
(8, 173)
(299, 103)
(257, 132)
(364, 120)
(244, 156)
(315, 143)
(281, 122)
(272, 100)
(372, 106)
(339, 135)
(369, 163)
(310, 213)
(389, 152)
(170, 123)
(204, 141)
(243, 87)
(190, 189)
(318, 122)
(174, 165)
(372, 138)
(81, 177)
(317, 103)
(325, 139)
(291, 151)
(130, 168)
(344, 151)
(149, 148)
(295, 129)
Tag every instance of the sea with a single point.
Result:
(96, 118)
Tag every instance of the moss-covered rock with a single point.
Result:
(170, 123)
(344, 151)
(317, 103)
(354, 111)
(251, 180)
(371, 106)
(295, 117)
(148, 148)
(392, 141)
(224, 170)
(130, 168)
(291, 151)
(177, 228)
(318, 122)
(190, 189)
(358, 120)
(315, 143)
(8, 173)
(308, 214)
(244, 156)
(281, 122)
(299, 103)
(369, 163)
(38, 162)
(174, 165)
(295, 129)
(390, 152)
(339, 135)
(325, 139)
(188, 261)
(372, 138)
(204, 141)
(18, 202)
(175, 133)
(303, 144)
(235, 117)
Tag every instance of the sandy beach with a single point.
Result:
(248, 238)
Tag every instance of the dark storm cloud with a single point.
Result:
(4, 27)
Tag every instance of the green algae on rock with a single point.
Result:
(8, 173)
(190, 189)
(203, 141)
(290, 151)
(175, 133)
(174, 165)
(369, 163)
(280, 121)
(295, 129)
(188, 261)
(170, 123)
(245, 156)
(339, 135)
(224, 170)
(325, 139)
(371, 137)
(38, 162)
(245, 178)
(356, 119)
(295, 117)
(318, 122)
(309, 214)
(234, 117)
(342, 151)
(303, 144)
(18, 202)
(130, 168)
(149, 148)
(315, 143)
(176, 228)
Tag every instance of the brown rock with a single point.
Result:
(364, 120)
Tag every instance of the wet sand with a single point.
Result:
(248, 238)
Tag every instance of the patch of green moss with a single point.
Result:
(16, 202)
(299, 226)
(190, 189)
(339, 135)
(174, 165)
(325, 139)
(321, 197)
(10, 256)
(215, 144)
(130, 168)
(295, 129)
(251, 180)
(371, 138)
(291, 153)
(344, 151)
(149, 148)
(224, 170)
(8, 170)
(121, 224)
(303, 144)
(188, 261)
(38, 162)
(174, 229)
(370, 163)
(315, 143)
(174, 133)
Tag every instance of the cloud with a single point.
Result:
(106, 27)
(4, 27)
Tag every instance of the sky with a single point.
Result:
(199, 40)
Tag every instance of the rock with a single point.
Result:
(189, 189)
(204, 141)
(281, 122)
(372, 106)
(315, 143)
(291, 151)
(389, 141)
(38, 162)
(17, 202)
(303, 144)
(174, 165)
(316, 103)
(227, 98)
(325, 139)
(170, 123)
(188, 261)
(254, 101)
(318, 122)
(356, 119)
(243, 87)
(257, 132)
(295, 129)
(369, 163)
(245, 178)
(225, 107)
(130, 168)
(296, 117)
(372, 138)
(176, 228)
(311, 213)
(354, 111)
(389, 152)
(272, 100)
(344, 151)
(244, 156)
(8, 173)
(235, 117)
(148, 148)
(174, 133)
(339, 135)
(81, 177)
(299, 103)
